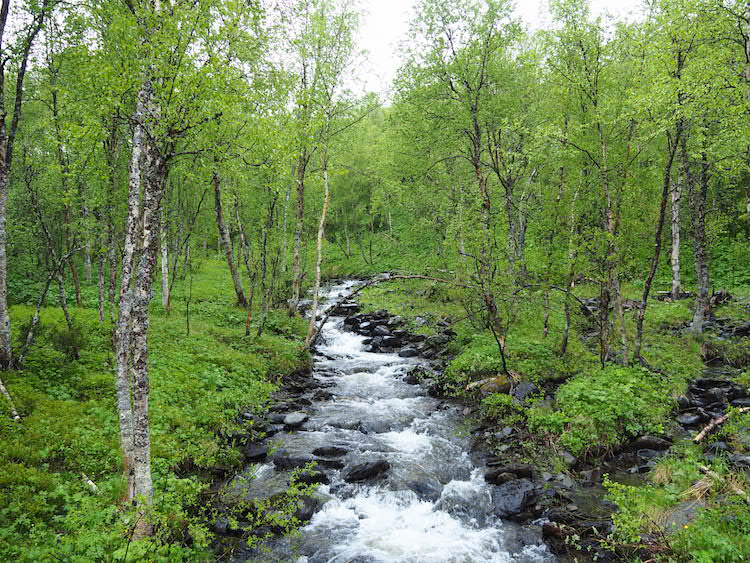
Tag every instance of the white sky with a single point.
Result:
(386, 23)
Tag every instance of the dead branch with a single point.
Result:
(718, 421)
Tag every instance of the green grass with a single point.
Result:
(199, 384)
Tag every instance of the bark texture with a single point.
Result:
(226, 242)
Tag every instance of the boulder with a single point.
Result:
(513, 497)
(255, 452)
(365, 471)
(497, 384)
(650, 443)
(689, 418)
(380, 330)
(283, 460)
(331, 451)
(497, 477)
(295, 420)
(408, 353)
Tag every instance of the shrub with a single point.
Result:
(606, 407)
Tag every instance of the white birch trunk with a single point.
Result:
(164, 266)
(676, 196)
(319, 253)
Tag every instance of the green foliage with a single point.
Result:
(199, 384)
(604, 408)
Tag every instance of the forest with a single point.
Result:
(250, 311)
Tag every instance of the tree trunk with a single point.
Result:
(165, 301)
(226, 243)
(300, 215)
(666, 184)
(100, 285)
(676, 194)
(319, 252)
(123, 332)
(699, 249)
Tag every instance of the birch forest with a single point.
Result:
(253, 308)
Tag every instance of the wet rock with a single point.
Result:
(689, 418)
(392, 341)
(511, 498)
(522, 391)
(283, 460)
(651, 443)
(331, 451)
(380, 330)
(426, 489)
(408, 353)
(295, 419)
(741, 403)
(520, 470)
(313, 478)
(351, 322)
(255, 452)
(365, 471)
(308, 505)
(496, 477)
(276, 418)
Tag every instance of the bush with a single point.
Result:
(606, 407)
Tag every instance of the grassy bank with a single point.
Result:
(200, 382)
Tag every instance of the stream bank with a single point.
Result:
(397, 478)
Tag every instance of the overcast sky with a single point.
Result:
(386, 23)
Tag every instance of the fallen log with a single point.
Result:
(718, 421)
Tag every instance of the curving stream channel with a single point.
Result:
(431, 505)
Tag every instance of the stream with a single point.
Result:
(430, 504)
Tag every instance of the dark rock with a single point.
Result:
(510, 498)
(522, 391)
(308, 505)
(329, 463)
(651, 443)
(392, 341)
(365, 471)
(376, 342)
(408, 353)
(380, 330)
(521, 470)
(496, 477)
(741, 403)
(649, 454)
(740, 459)
(255, 452)
(720, 297)
(283, 460)
(411, 379)
(295, 419)
(689, 419)
(276, 418)
(351, 322)
(331, 451)
(367, 327)
(313, 478)
(426, 489)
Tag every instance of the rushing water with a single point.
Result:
(432, 505)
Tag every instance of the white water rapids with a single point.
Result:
(431, 506)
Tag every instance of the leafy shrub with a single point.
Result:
(606, 407)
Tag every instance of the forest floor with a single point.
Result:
(200, 383)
